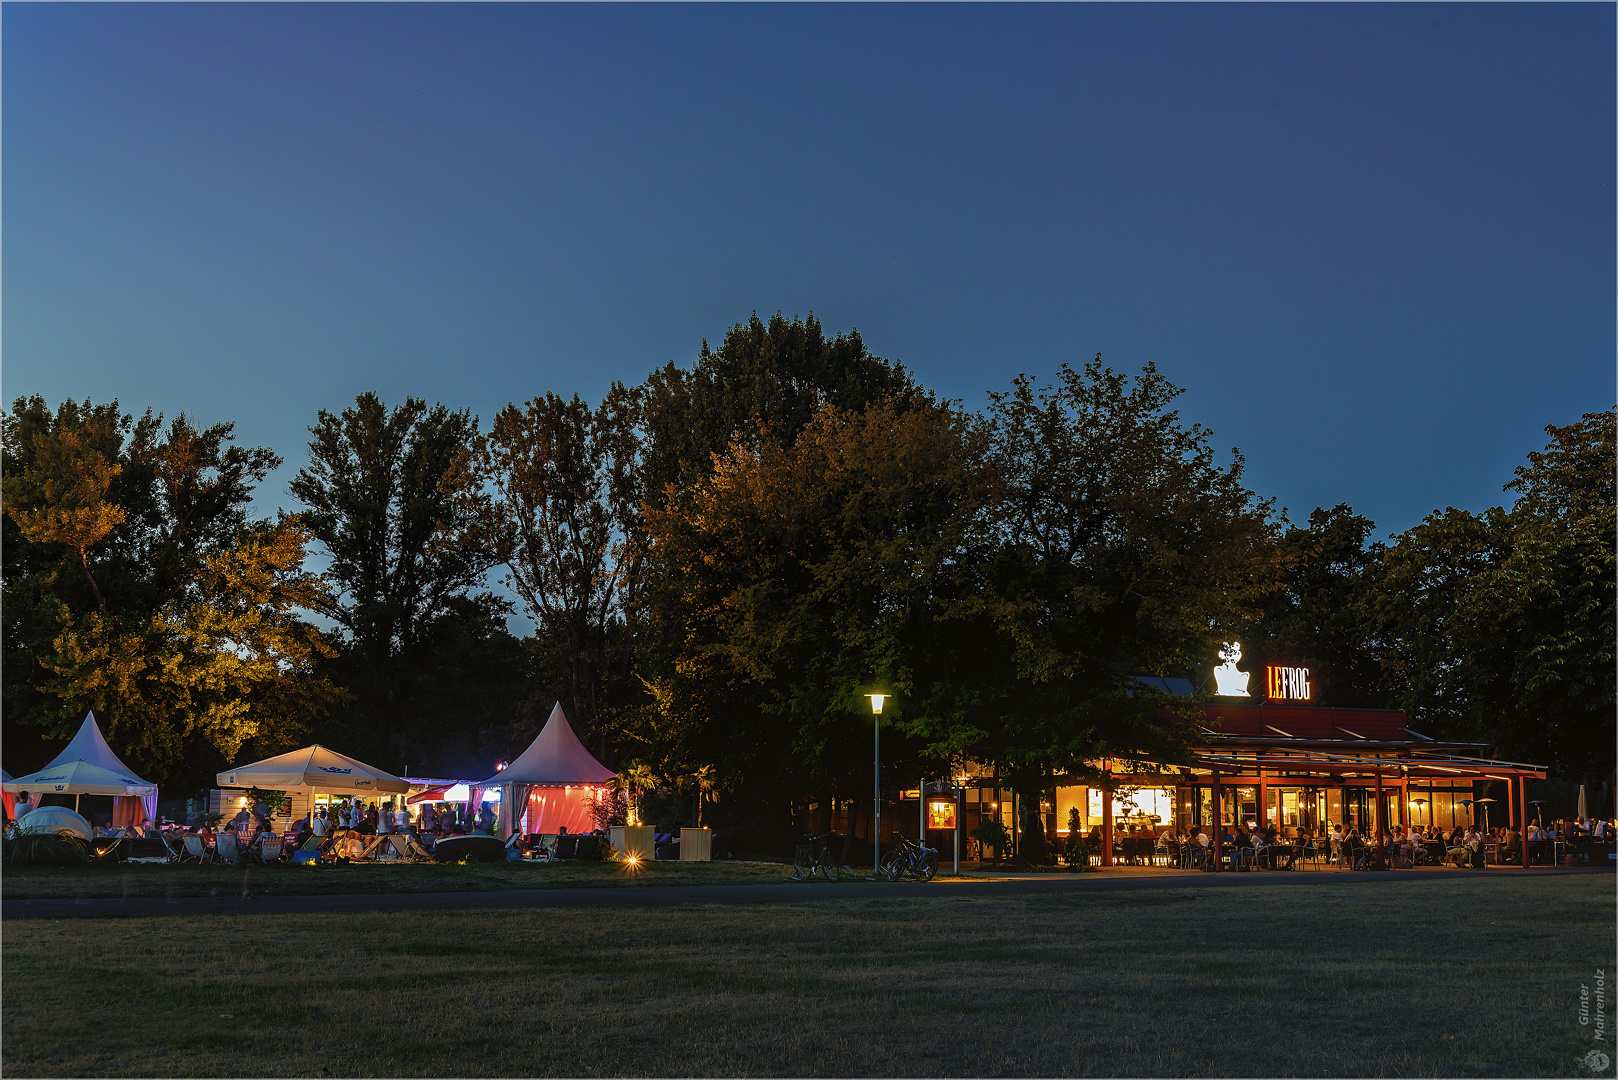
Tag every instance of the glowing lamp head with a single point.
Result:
(500, 766)
(876, 703)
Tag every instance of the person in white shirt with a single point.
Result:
(1601, 829)
(401, 820)
(22, 806)
(384, 820)
(317, 824)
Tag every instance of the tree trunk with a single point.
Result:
(84, 559)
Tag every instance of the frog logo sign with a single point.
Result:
(1230, 682)
(1596, 1061)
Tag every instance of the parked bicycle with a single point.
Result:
(912, 858)
(814, 856)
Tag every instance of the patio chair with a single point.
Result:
(269, 848)
(194, 850)
(411, 848)
(229, 848)
(173, 846)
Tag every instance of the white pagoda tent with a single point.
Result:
(87, 766)
(551, 783)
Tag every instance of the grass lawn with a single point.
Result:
(1461, 977)
(114, 880)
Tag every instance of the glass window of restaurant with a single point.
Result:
(1135, 807)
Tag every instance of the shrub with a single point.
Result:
(45, 849)
(992, 834)
(665, 809)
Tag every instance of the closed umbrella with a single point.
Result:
(1584, 805)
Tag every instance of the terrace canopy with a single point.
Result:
(87, 766)
(314, 768)
(550, 784)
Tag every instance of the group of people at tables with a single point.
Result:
(351, 827)
(1463, 845)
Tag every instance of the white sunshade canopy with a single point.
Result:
(315, 768)
(81, 778)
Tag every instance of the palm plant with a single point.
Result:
(703, 780)
(636, 777)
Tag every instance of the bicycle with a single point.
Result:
(814, 856)
(910, 857)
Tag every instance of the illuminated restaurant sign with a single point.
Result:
(1287, 683)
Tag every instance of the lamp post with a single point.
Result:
(876, 795)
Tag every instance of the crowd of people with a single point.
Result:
(1270, 846)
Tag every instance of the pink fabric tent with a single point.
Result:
(7, 798)
(551, 783)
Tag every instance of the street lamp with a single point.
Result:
(876, 793)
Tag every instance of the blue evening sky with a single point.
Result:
(1375, 243)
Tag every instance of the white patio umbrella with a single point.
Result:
(315, 768)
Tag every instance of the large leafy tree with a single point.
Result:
(1502, 623)
(1119, 546)
(771, 377)
(137, 584)
(425, 653)
(1322, 616)
(795, 578)
(554, 488)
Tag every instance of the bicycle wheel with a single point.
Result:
(828, 866)
(803, 864)
(893, 866)
(926, 868)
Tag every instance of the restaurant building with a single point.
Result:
(1272, 759)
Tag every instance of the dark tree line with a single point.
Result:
(721, 562)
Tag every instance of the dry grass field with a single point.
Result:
(115, 880)
(1455, 977)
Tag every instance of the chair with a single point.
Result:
(229, 848)
(194, 850)
(269, 848)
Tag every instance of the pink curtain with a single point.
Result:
(549, 808)
(133, 809)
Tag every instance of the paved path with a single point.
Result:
(1120, 879)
